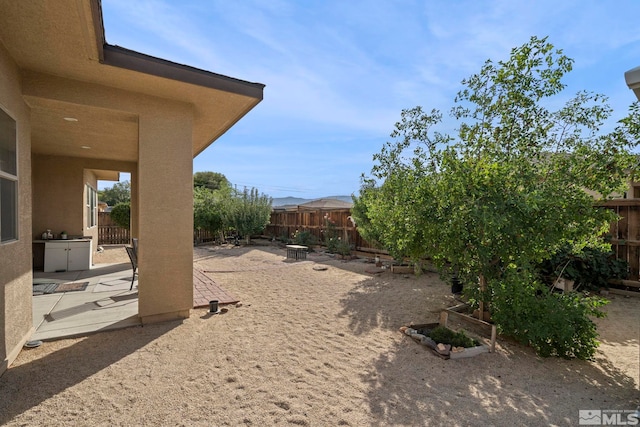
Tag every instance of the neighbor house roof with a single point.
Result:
(327, 204)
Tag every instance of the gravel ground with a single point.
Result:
(311, 348)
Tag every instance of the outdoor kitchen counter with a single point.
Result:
(62, 254)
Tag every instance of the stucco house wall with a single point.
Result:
(15, 287)
(86, 110)
(59, 191)
(57, 195)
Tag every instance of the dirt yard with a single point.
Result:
(312, 348)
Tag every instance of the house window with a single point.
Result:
(8, 179)
(92, 207)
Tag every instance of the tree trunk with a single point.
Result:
(483, 287)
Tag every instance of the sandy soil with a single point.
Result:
(312, 348)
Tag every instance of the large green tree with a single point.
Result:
(211, 197)
(210, 180)
(119, 193)
(517, 182)
(209, 208)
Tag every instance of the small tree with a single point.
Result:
(507, 192)
(248, 212)
(121, 214)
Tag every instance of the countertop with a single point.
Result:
(62, 240)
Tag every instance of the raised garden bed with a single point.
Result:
(425, 266)
(460, 314)
(456, 346)
(403, 269)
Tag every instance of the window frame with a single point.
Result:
(11, 178)
(92, 206)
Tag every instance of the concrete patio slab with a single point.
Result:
(84, 312)
(42, 306)
(105, 304)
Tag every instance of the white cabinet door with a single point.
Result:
(67, 256)
(55, 256)
(79, 256)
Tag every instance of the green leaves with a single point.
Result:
(119, 193)
(518, 181)
(248, 212)
(553, 324)
(208, 208)
(121, 214)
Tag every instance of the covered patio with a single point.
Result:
(106, 303)
(76, 110)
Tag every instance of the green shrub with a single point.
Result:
(343, 247)
(443, 335)
(121, 214)
(304, 238)
(330, 235)
(284, 238)
(590, 269)
(332, 245)
(553, 324)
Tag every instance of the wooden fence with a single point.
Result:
(625, 234)
(109, 233)
(113, 235)
(203, 236)
(318, 222)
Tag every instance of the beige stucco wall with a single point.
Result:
(15, 257)
(165, 206)
(162, 188)
(59, 194)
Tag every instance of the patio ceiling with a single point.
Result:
(64, 39)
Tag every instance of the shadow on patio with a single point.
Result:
(105, 304)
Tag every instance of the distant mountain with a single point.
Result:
(282, 201)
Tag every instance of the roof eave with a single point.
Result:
(632, 77)
(135, 61)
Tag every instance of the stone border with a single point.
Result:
(445, 351)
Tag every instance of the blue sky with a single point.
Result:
(339, 72)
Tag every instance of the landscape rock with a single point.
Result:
(443, 349)
(428, 342)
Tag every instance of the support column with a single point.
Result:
(134, 228)
(165, 213)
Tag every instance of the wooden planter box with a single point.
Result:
(403, 269)
(432, 345)
(457, 313)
